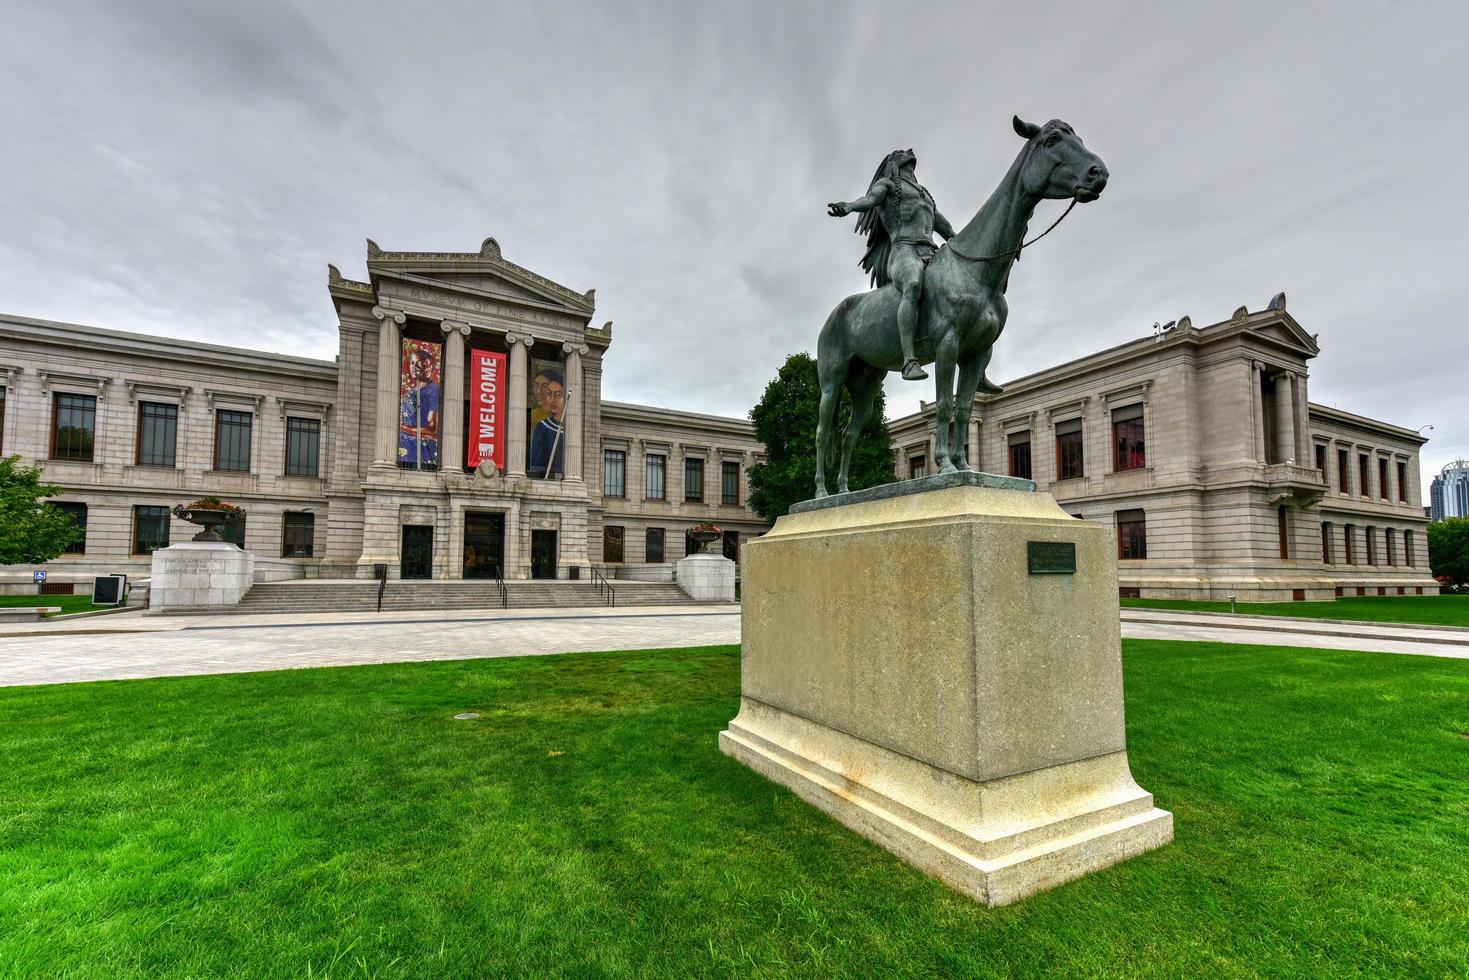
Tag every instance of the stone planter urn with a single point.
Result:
(704, 538)
(209, 520)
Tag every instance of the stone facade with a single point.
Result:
(1236, 488)
(359, 498)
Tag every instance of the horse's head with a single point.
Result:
(1058, 165)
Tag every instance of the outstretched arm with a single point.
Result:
(942, 226)
(867, 202)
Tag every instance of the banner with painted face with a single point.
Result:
(487, 381)
(420, 404)
(545, 420)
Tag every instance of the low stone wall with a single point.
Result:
(284, 569)
(199, 576)
(652, 572)
(707, 578)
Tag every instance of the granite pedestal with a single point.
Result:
(912, 669)
(706, 578)
(199, 576)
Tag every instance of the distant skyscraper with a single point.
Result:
(1450, 491)
(1435, 499)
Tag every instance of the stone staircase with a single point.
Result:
(360, 595)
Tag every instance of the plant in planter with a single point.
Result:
(703, 534)
(209, 513)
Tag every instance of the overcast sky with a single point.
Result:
(189, 169)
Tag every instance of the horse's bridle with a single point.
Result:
(1017, 249)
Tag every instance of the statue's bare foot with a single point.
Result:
(989, 387)
(913, 371)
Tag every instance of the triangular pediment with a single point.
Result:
(485, 273)
(1282, 328)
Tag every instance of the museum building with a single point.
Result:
(460, 433)
(1200, 447)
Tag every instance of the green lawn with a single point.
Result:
(1431, 610)
(339, 822)
(68, 603)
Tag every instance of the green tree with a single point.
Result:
(785, 421)
(31, 530)
(1448, 549)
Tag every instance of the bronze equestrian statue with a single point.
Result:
(943, 306)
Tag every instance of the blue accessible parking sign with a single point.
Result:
(40, 576)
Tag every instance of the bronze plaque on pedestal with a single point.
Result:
(1051, 557)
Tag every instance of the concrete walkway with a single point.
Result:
(131, 645)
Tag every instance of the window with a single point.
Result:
(298, 536)
(1127, 437)
(653, 545)
(78, 515)
(158, 426)
(303, 447)
(917, 467)
(1321, 459)
(1132, 534)
(693, 480)
(1349, 534)
(1391, 536)
(150, 529)
(233, 532)
(1372, 546)
(73, 425)
(690, 546)
(1408, 548)
(614, 474)
(611, 543)
(1282, 527)
(731, 545)
(232, 441)
(1019, 446)
(1402, 482)
(1325, 541)
(1068, 450)
(1383, 490)
(655, 468)
(1344, 471)
(729, 483)
(1364, 476)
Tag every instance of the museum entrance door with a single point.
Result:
(543, 554)
(484, 545)
(418, 551)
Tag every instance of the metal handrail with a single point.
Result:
(382, 585)
(600, 581)
(501, 586)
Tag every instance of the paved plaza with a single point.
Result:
(132, 645)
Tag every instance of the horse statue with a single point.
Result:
(963, 302)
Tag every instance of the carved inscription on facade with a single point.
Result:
(197, 566)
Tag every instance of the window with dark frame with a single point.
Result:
(1321, 458)
(1349, 534)
(1132, 535)
(1372, 546)
(1364, 476)
(158, 425)
(1018, 444)
(917, 467)
(614, 473)
(1344, 471)
(655, 468)
(298, 535)
(1383, 490)
(232, 440)
(1127, 438)
(150, 529)
(233, 531)
(73, 426)
(653, 545)
(1402, 481)
(729, 483)
(303, 447)
(612, 543)
(1069, 454)
(1408, 549)
(78, 514)
(1390, 536)
(1282, 527)
(693, 480)
(690, 546)
(1325, 543)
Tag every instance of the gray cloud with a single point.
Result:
(189, 169)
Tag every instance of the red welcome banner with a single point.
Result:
(487, 386)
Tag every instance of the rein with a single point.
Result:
(1017, 249)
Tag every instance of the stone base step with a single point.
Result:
(401, 596)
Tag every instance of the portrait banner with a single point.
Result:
(486, 409)
(420, 398)
(545, 419)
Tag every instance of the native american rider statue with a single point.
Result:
(899, 217)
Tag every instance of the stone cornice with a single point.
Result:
(1329, 415)
(347, 288)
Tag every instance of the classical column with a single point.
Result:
(1285, 422)
(451, 439)
(385, 445)
(575, 399)
(1257, 409)
(519, 383)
